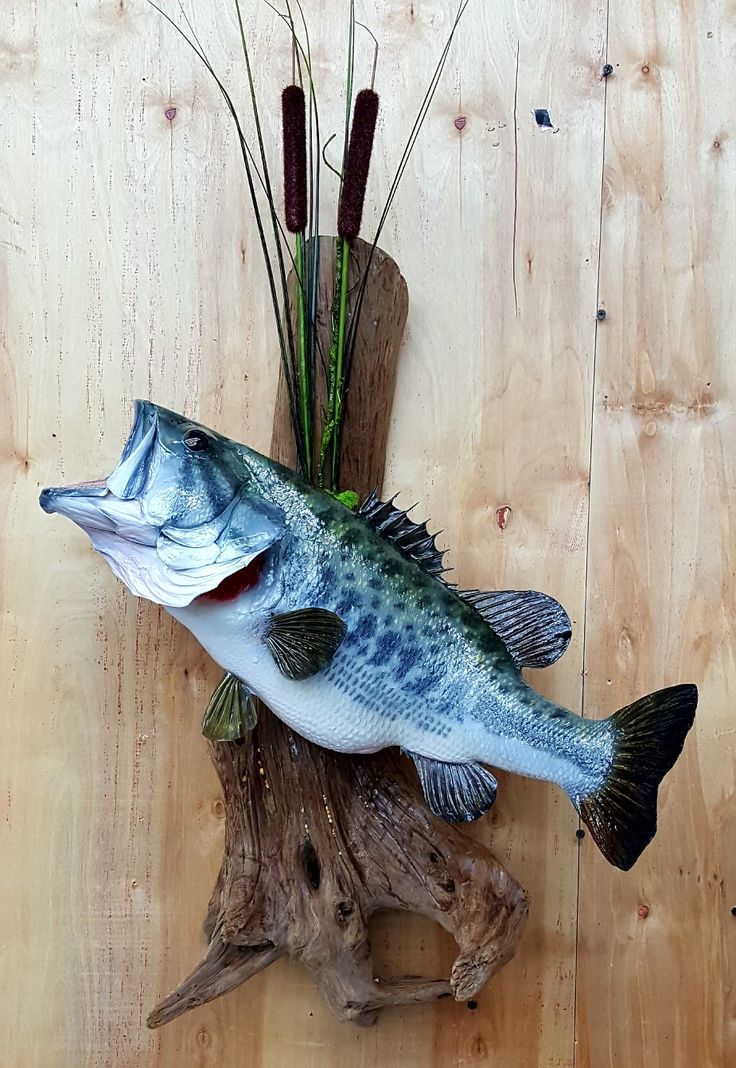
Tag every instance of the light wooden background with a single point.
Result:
(128, 267)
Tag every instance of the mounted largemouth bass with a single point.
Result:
(342, 624)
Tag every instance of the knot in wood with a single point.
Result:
(343, 912)
(312, 866)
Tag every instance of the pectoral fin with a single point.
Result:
(458, 793)
(231, 713)
(304, 642)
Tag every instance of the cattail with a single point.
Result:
(293, 115)
(357, 163)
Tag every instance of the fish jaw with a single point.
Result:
(96, 505)
(212, 531)
(97, 511)
(133, 548)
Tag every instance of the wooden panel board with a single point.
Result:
(508, 479)
(129, 267)
(657, 944)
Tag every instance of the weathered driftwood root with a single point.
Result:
(317, 842)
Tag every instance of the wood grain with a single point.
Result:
(129, 266)
(505, 453)
(316, 843)
(657, 945)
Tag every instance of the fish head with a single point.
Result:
(184, 508)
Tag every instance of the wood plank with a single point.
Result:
(131, 269)
(658, 945)
(468, 440)
(116, 217)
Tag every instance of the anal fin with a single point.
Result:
(458, 793)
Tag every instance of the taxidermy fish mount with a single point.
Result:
(321, 628)
(316, 841)
(341, 622)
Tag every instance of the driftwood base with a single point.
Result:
(316, 843)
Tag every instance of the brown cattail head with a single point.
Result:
(357, 163)
(294, 127)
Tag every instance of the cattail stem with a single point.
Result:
(340, 356)
(330, 433)
(301, 329)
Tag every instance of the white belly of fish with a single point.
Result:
(319, 710)
(314, 707)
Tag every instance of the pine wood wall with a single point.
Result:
(589, 457)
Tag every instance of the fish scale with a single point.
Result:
(342, 624)
(456, 657)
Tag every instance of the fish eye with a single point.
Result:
(196, 440)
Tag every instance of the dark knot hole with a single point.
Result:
(312, 866)
(343, 912)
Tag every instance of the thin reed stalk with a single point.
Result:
(300, 347)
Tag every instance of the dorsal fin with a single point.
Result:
(413, 540)
(534, 627)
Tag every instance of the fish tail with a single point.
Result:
(649, 735)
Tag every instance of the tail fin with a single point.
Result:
(621, 815)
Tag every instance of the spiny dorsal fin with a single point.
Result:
(413, 540)
(534, 627)
(303, 642)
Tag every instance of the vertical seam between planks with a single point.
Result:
(516, 182)
(587, 536)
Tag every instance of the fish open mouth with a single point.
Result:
(111, 505)
(161, 548)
